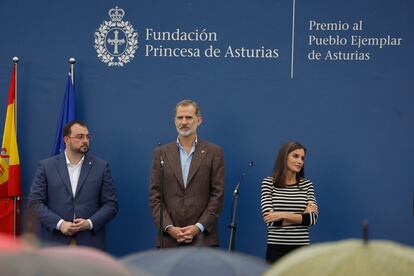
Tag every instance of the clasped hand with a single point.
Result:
(69, 228)
(184, 234)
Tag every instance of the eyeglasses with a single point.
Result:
(82, 137)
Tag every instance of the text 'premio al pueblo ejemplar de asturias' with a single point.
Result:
(343, 41)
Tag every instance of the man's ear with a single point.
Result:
(200, 120)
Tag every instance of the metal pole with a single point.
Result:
(72, 69)
(161, 230)
(233, 225)
(15, 61)
(16, 198)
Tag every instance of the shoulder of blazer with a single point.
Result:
(169, 147)
(93, 159)
(53, 159)
(211, 146)
(61, 157)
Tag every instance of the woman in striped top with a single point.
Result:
(288, 203)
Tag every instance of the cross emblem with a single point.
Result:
(116, 42)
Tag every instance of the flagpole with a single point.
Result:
(15, 61)
(15, 198)
(72, 69)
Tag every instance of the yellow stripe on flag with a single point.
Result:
(9, 157)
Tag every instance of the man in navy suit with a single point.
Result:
(72, 193)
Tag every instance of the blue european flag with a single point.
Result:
(67, 114)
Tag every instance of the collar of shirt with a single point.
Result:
(74, 173)
(68, 161)
(181, 147)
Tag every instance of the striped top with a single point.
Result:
(292, 198)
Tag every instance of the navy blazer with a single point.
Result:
(52, 199)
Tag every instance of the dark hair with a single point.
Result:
(67, 128)
(187, 103)
(279, 170)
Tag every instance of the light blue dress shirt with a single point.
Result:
(185, 159)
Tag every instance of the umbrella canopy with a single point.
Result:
(86, 255)
(8, 244)
(198, 261)
(60, 261)
(348, 257)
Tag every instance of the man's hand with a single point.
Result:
(80, 224)
(67, 228)
(190, 232)
(177, 233)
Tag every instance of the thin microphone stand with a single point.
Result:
(161, 230)
(233, 225)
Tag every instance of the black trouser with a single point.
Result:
(275, 251)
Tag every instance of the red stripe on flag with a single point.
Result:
(14, 181)
(12, 87)
(7, 216)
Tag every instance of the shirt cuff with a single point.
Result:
(59, 224)
(166, 227)
(90, 224)
(200, 226)
(305, 219)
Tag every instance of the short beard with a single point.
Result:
(83, 149)
(185, 133)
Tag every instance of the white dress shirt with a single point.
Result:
(74, 173)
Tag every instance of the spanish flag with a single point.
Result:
(9, 164)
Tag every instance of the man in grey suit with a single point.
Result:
(193, 188)
(72, 193)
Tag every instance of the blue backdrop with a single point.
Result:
(354, 113)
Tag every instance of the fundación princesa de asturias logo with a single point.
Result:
(116, 41)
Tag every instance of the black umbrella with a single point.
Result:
(194, 261)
